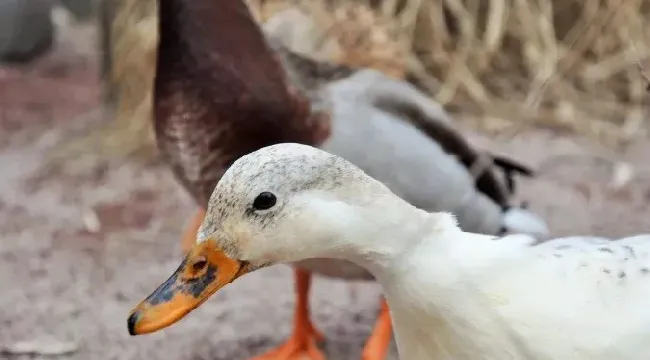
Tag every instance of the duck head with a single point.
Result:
(282, 203)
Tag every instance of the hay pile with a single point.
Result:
(127, 43)
(502, 64)
(509, 64)
(130, 40)
(571, 64)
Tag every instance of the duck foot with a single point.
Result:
(189, 235)
(298, 347)
(379, 341)
(302, 345)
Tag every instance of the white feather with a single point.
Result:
(518, 220)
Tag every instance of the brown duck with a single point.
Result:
(222, 90)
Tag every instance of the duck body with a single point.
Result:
(573, 298)
(452, 294)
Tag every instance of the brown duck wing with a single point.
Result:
(408, 103)
(220, 92)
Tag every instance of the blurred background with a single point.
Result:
(90, 217)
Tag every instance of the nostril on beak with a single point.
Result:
(199, 265)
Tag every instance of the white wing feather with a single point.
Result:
(573, 297)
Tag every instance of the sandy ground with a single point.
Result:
(80, 248)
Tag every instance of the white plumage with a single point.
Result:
(568, 298)
(452, 294)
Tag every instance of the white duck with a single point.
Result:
(452, 294)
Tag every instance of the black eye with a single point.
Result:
(264, 201)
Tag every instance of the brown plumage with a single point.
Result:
(222, 93)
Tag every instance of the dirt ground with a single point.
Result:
(81, 247)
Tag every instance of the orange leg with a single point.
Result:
(302, 343)
(189, 235)
(377, 345)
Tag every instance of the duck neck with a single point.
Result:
(431, 273)
(218, 43)
(393, 234)
(215, 65)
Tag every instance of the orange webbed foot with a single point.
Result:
(379, 341)
(300, 346)
(303, 343)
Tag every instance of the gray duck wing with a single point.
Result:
(406, 102)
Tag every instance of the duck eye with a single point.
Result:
(264, 201)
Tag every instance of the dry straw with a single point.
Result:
(504, 65)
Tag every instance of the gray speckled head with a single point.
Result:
(298, 176)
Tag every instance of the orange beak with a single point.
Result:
(204, 271)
